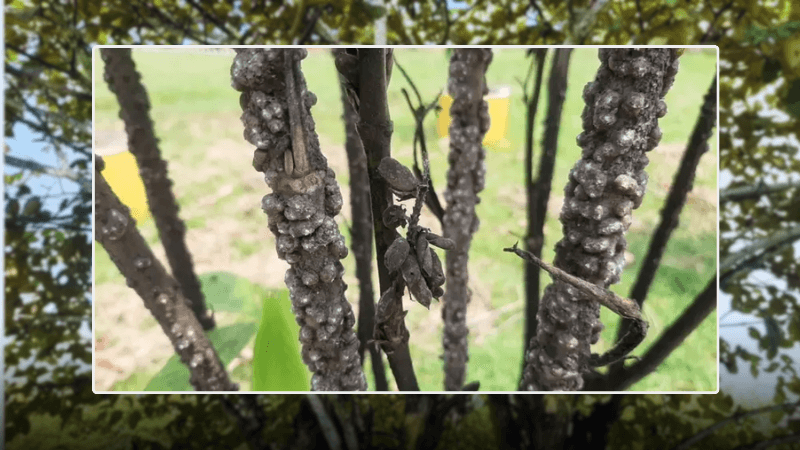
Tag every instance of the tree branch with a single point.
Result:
(361, 238)
(754, 191)
(116, 231)
(469, 115)
(211, 18)
(670, 339)
(736, 417)
(744, 258)
(125, 82)
(375, 129)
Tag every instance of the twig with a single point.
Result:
(316, 13)
(621, 306)
(420, 112)
(326, 424)
(447, 22)
(688, 443)
(671, 338)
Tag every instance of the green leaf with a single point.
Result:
(225, 291)
(277, 364)
(374, 11)
(228, 341)
(724, 402)
(794, 385)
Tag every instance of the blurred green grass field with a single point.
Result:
(194, 109)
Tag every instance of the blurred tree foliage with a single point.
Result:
(48, 257)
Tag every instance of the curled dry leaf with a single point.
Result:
(395, 216)
(401, 181)
(439, 241)
(396, 254)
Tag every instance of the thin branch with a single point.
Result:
(420, 112)
(326, 424)
(688, 443)
(754, 191)
(538, 192)
(741, 324)
(48, 134)
(211, 18)
(316, 13)
(374, 127)
(361, 237)
(74, 74)
(581, 26)
(639, 16)
(708, 34)
(410, 82)
(59, 172)
(771, 442)
(444, 4)
(541, 19)
(671, 338)
(753, 254)
(154, 10)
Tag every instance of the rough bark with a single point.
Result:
(465, 179)
(116, 231)
(361, 235)
(305, 199)
(375, 129)
(125, 82)
(681, 186)
(620, 124)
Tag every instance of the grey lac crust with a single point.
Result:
(620, 124)
(305, 199)
(465, 180)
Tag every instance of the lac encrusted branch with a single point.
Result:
(305, 199)
(620, 124)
